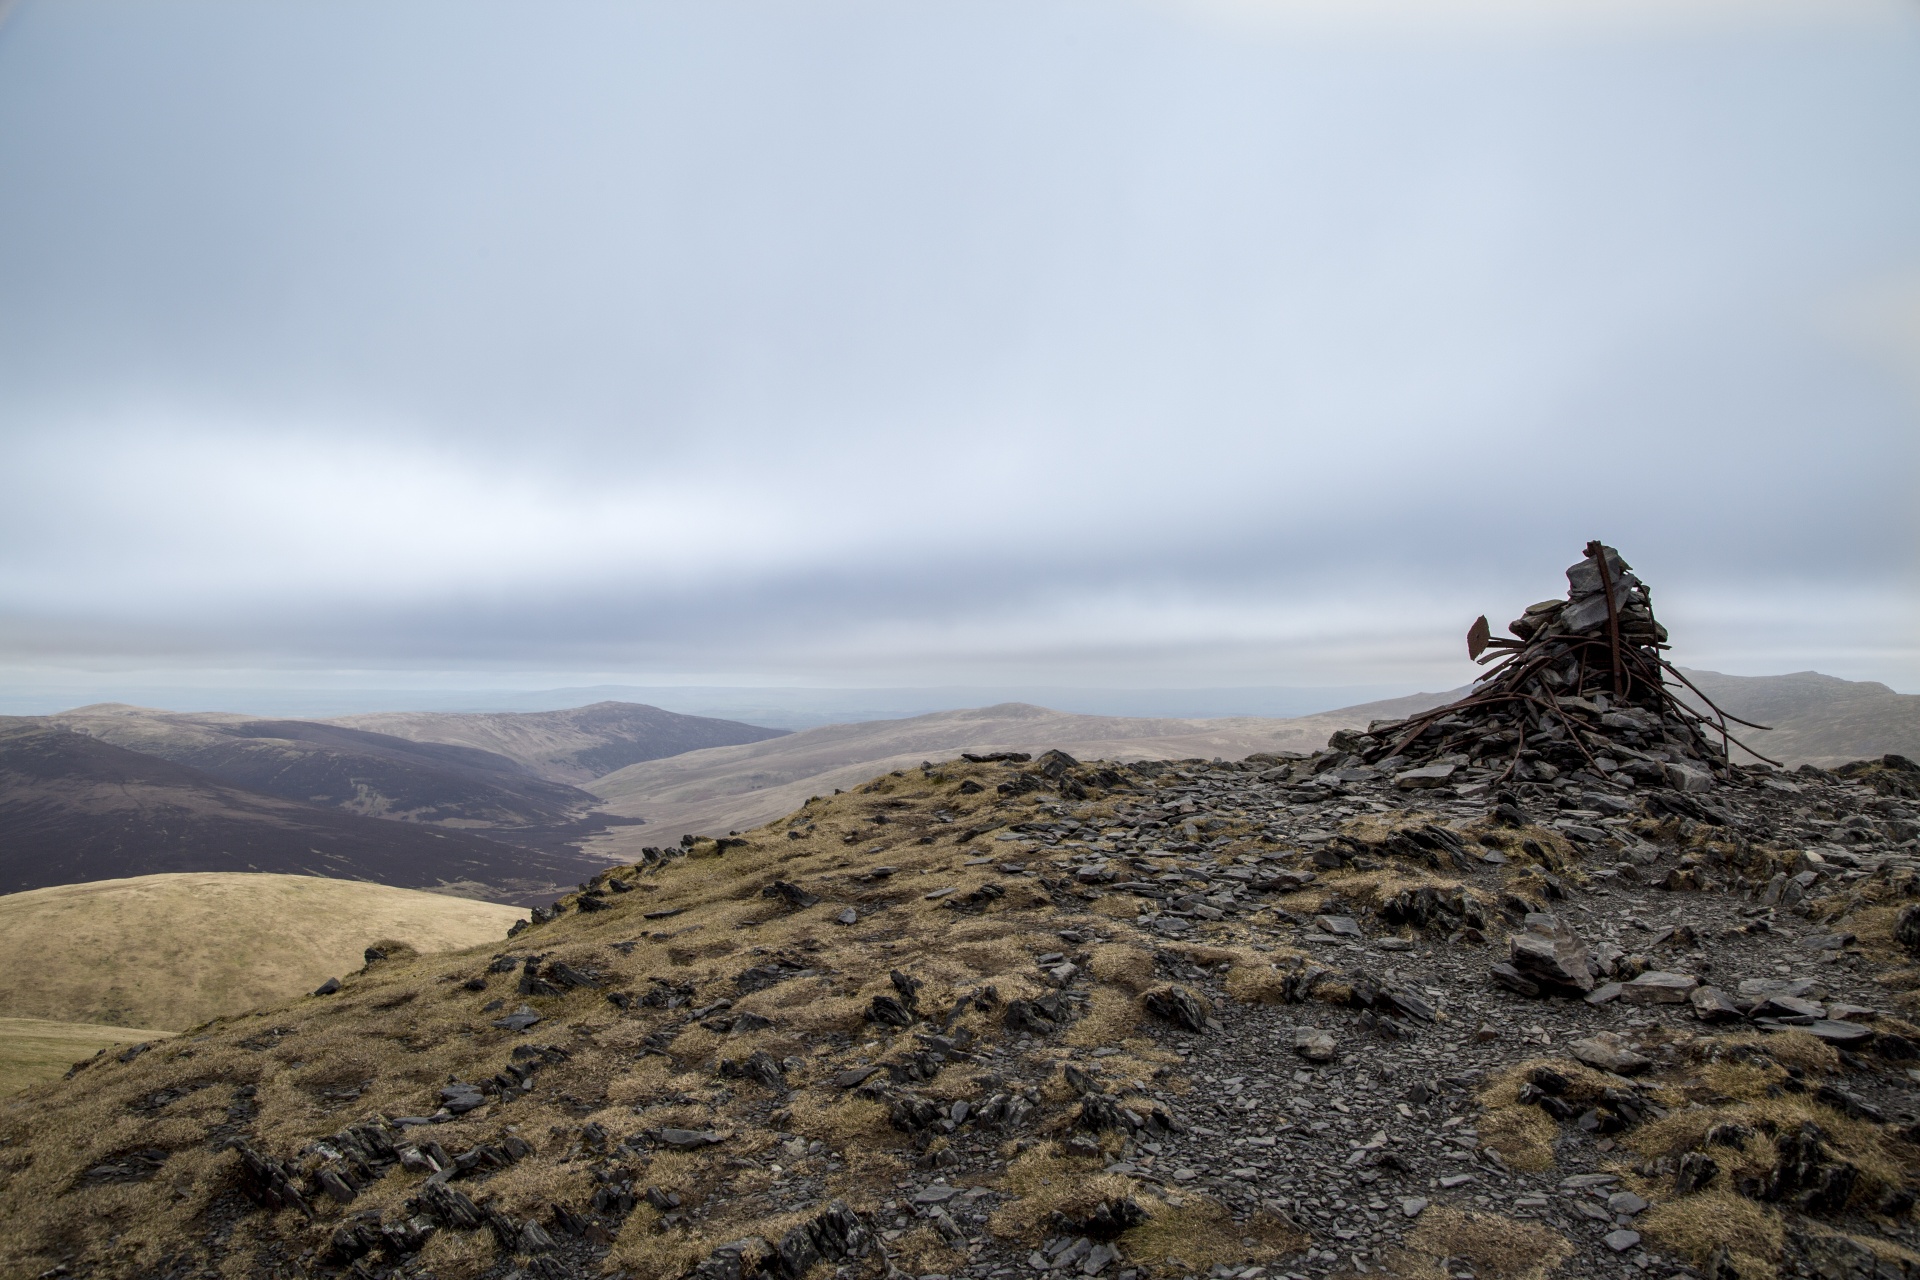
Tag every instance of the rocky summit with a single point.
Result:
(1540, 983)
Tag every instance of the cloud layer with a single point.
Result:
(863, 343)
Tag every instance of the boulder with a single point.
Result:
(1687, 777)
(1557, 961)
(1314, 1045)
(1608, 1051)
(1657, 987)
(1425, 779)
(1710, 1004)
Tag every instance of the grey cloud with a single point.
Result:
(846, 338)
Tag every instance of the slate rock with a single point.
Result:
(1178, 1005)
(1906, 929)
(1839, 1033)
(1788, 1007)
(690, 1139)
(1314, 1045)
(1658, 987)
(1557, 962)
(519, 1020)
(1608, 1051)
(1512, 979)
(1710, 1004)
(792, 894)
(328, 987)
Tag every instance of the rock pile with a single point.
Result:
(1582, 687)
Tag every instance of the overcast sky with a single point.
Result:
(837, 342)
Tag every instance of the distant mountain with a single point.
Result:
(573, 746)
(371, 774)
(76, 808)
(712, 792)
(1816, 719)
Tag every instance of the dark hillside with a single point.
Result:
(73, 808)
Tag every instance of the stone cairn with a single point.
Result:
(1583, 686)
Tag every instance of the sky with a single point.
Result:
(849, 343)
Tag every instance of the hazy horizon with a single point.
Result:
(1137, 346)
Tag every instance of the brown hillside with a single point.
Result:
(573, 746)
(172, 951)
(733, 788)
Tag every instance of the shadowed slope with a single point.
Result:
(76, 809)
(372, 774)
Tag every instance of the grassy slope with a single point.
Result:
(175, 950)
(398, 1032)
(712, 792)
(33, 1050)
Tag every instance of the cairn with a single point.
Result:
(1582, 687)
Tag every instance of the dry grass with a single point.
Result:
(175, 950)
(1499, 1248)
(459, 1256)
(1124, 966)
(1865, 1146)
(1045, 1181)
(1113, 1016)
(1522, 1134)
(1692, 1227)
(1200, 1234)
(33, 1050)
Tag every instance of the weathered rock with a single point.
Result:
(1710, 1004)
(889, 1012)
(1695, 1170)
(1178, 1005)
(1425, 778)
(1906, 929)
(1557, 961)
(1314, 1045)
(1339, 926)
(791, 894)
(1657, 987)
(1609, 1051)
(1833, 1256)
(1788, 1008)
(1512, 979)
(689, 1139)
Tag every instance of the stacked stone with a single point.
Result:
(1582, 686)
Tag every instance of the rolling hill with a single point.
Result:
(74, 808)
(171, 951)
(1816, 719)
(574, 746)
(728, 788)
